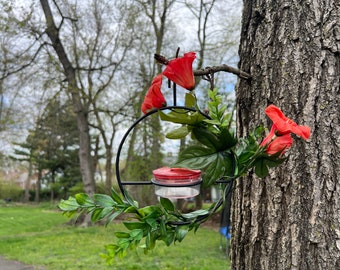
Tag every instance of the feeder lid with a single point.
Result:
(166, 173)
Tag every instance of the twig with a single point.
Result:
(225, 68)
(209, 70)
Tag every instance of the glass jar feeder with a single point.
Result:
(176, 183)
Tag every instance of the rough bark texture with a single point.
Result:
(291, 219)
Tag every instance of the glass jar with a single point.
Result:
(176, 183)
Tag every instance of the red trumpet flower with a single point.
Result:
(275, 144)
(279, 139)
(179, 70)
(284, 125)
(154, 98)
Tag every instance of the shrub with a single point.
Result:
(9, 190)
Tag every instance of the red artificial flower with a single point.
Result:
(179, 70)
(275, 144)
(279, 144)
(284, 125)
(154, 98)
(269, 137)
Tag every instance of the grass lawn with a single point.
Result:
(38, 235)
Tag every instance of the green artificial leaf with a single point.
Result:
(103, 200)
(167, 204)
(150, 240)
(134, 225)
(116, 197)
(70, 214)
(213, 94)
(212, 121)
(130, 209)
(195, 157)
(223, 165)
(258, 132)
(152, 223)
(69, 205)
(162, 228)
(190, 100)
(222, 110)
(122, 235)
(246, 150)
(113, 216)
(96, 214)
(84, 200)
(195, 226)
(111, 250)
(178, 133)
(264, 162)
(149, 211)
(131, 201)
(106, 212)
(245, 156)
(228, 140)
(169, 238)
(154, 214)
(124, 242)
(181, 232)
(182, 116)
(136, 234)
(195, 214)
(261, 169)
(215, 164)
(206, 137)
(122, 252)
(227, 119)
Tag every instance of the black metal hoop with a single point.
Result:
(120, 183)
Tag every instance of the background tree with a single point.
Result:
(89, 60)
(73, 88)
(51, 148)
(22, 153)
(57, 138)
(290, 220)
(100, 57)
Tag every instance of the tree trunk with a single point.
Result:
(108, 170)
(81, 110)
(28, 183)
(52, 186)
(291, 219)
(37, 187)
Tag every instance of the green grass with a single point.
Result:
(38, 236)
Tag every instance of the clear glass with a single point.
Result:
(177, 192)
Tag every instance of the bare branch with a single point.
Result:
(62, 15)
(31, 61)
(225, 68)
(209, 70)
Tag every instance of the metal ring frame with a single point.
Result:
(122, 184)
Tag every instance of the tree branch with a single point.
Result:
(7, 73)
(225, 68)
(209, 70)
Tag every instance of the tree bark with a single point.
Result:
(28, 182)
(38, 186)
(291, 219)
(81, 110)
